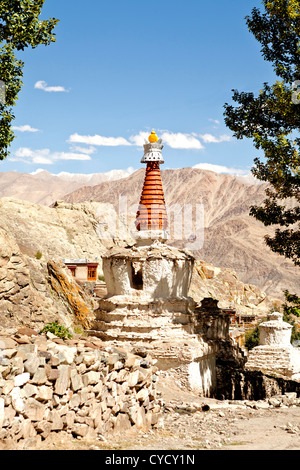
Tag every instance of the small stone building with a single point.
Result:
(83, 270)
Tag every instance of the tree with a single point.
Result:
(272, 120)
(291, 310)
(292, 304)
(20, 27)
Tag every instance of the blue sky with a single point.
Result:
(120, 69)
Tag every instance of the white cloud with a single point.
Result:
(175, 140)
(41, 85)
(130, 170)
(70, 156)
(88, 150)
(98, 140)
(245, 176)
(181, 141)
(32, 156)
(25, 128)
(209, 138)
(248, 179)
(140, 138)
(215, 121)
(221, 169)
(45, 157)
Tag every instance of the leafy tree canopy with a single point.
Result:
(272, 121)
(20, 27)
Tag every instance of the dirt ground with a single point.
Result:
(197, 423)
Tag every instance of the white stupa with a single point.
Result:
(275, 353)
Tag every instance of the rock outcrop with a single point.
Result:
(24, 297)
(35, 290)
(78, 302)
(33, 293)
(225, 286)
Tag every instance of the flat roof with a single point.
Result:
(79, 261)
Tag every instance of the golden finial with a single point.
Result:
(153, 137)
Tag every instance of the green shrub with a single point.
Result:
(57, 329)
(291, 309)
(252, 338)
(292, 304)
(38, 255)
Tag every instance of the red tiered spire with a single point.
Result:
(152, 213)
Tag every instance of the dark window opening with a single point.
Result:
(73, 271)
(136, 278)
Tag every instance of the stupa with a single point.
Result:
(152, 218)
(147, 302)
(275, 354)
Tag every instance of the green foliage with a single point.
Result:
(252, 338)
(292, 304)
(20, 27)
(38, 255)
(291, 309)
(101, 277)
(57, 329)
(272, 121)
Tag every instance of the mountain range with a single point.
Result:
(43, 187)
(222, 233)
(225, 234)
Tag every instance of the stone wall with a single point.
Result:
(24, 297)
(74, 388)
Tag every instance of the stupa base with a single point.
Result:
(147, 237)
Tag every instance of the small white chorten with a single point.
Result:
(275, 353)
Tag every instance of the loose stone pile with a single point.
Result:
(75, 388)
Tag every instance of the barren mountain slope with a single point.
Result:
(46, 188)
(232, 239)
(34, 188)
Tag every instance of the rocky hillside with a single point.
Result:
(231, 292)
(232, 239)
(30, 293)
(27, 291)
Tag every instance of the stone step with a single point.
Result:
(139, 332)
(148, 320)
(103, 315)
(140, 326)
(112, 335)
(104, 326)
